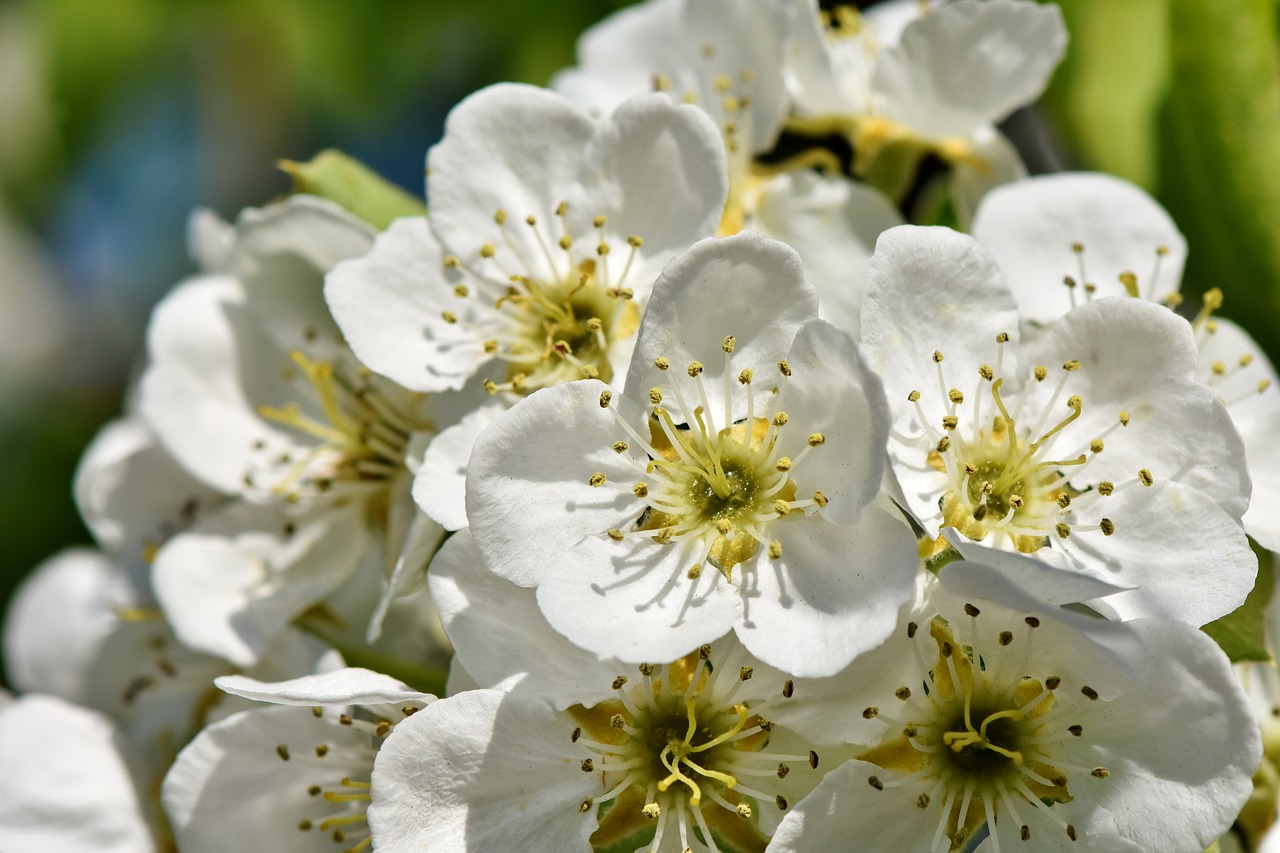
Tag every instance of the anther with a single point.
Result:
(1002, 338)
(640, 490)
(870, 713)
(944, 444)
(922, 801)
(817, 439)
(913, 397)
(784, 368)
(1006, 637)
(784, 464)
(903, 693)
(491, 346)
(619, 682)
(781, 802)
(661, 363)
(651, 811)
(743, 810)
(1076, 731)
(1144, 476)
(487, 250)
(694, 572)
(813, 760)
(788, 689)
(775, 549)
(1052, 682)
(745, 673)
(1124, 419)
(783, 770)
(1071, 832)
(616, 535)
(1106, 487)
(655, 395)
(585, 805)
(283, 752)
(744, 378)
(950, 422)
(1107, 526)
(937, 356)
(596, 480)
(1100, 773)
(1063, 500)
(449, 317)
(780, 419)
(1130, 282)
(635, 242)
(1025, 833)
(820, 499)
(1040, 372)
(1096, 445)
(695, 369)
(956, 396)
(605, 397)
(986, 372)
(874, 781)
(728, 343)
(461, 291)
(620, 447)
(1032, 621)
(971, 610)
(911, 630)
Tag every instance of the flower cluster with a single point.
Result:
(663, 489)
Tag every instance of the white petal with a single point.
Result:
(238, 577)
(66, 785)
(656, 170)
(439, 487)
(351, 686)
(231, 790)
(481, 771)
(832, 391)
(842, 590)
(422, 540)
(58, 619)
(747, 286)
(833, 223)
(525, 499)
(390, 305)
(506, 147)
(968, 64)
(1032, 225)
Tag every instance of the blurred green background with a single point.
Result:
(117, 118)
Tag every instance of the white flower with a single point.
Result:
(939, 85)
(1068, 239)
(276, 778)
(682, 756)
(1055, 730)
(727, 485)
(1092, 445)
(253, 390)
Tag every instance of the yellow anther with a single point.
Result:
(448, 316)
(986, 372)
(1106, 487)
(490, 386)
(956, 396)
(1062, 530)
(944, 444)
(596, 480)
(615, 534)
(562, 208)
(728, 343)
(780, 419)
(937, 357)
(620, 447)
(661, 363)
(950, 422)
(775, 549)
(635, 242)
(1124, 419)
(1073, 364)
(651, 811)
(1263, 385)
(1002, 338)
(784, 368)
(1078, 248)
(599, 221)
(1130, 282)
(500, 216)
(722, 82)
(451, 262)
(1213, 299)
(745, 377)
(724, 526)
(817, 439)
(784, 463)
(1107, 526)
(1246, 359)
(781, 507)
(1040, 372)
(461, 291)
(661, 82)
(1218, 368)
(655, 395)
(605, 397)
(913, 397)
(1144, 477)
(487, 250)
(695, 572)
(820, 499)
(1096, 445)
(694, 369)
(1075, 402)
(1064, 500)
(1068, 281)
(565, 242)
(744, 810)
(602, 248)
(640, 490)
(531, 220)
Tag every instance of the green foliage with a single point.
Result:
(1242, 633)
(348, 182)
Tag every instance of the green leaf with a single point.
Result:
(1242, 633)
(348, 182)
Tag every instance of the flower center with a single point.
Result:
(551, 316)
(717, 487)
(359, 426)
(678, 752)
(985, 738)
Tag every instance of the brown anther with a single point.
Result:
(588, 766)
(870, 713)
(1100, 773)
(784, 368)
(1052, 682)
(788, 689)
(1062, 529)
(1006, 637)
(619, 682)
(283, 752)
(1107, 526)
(1089, 692)
(1032, 621)
(874, 781)
(1076, 731)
